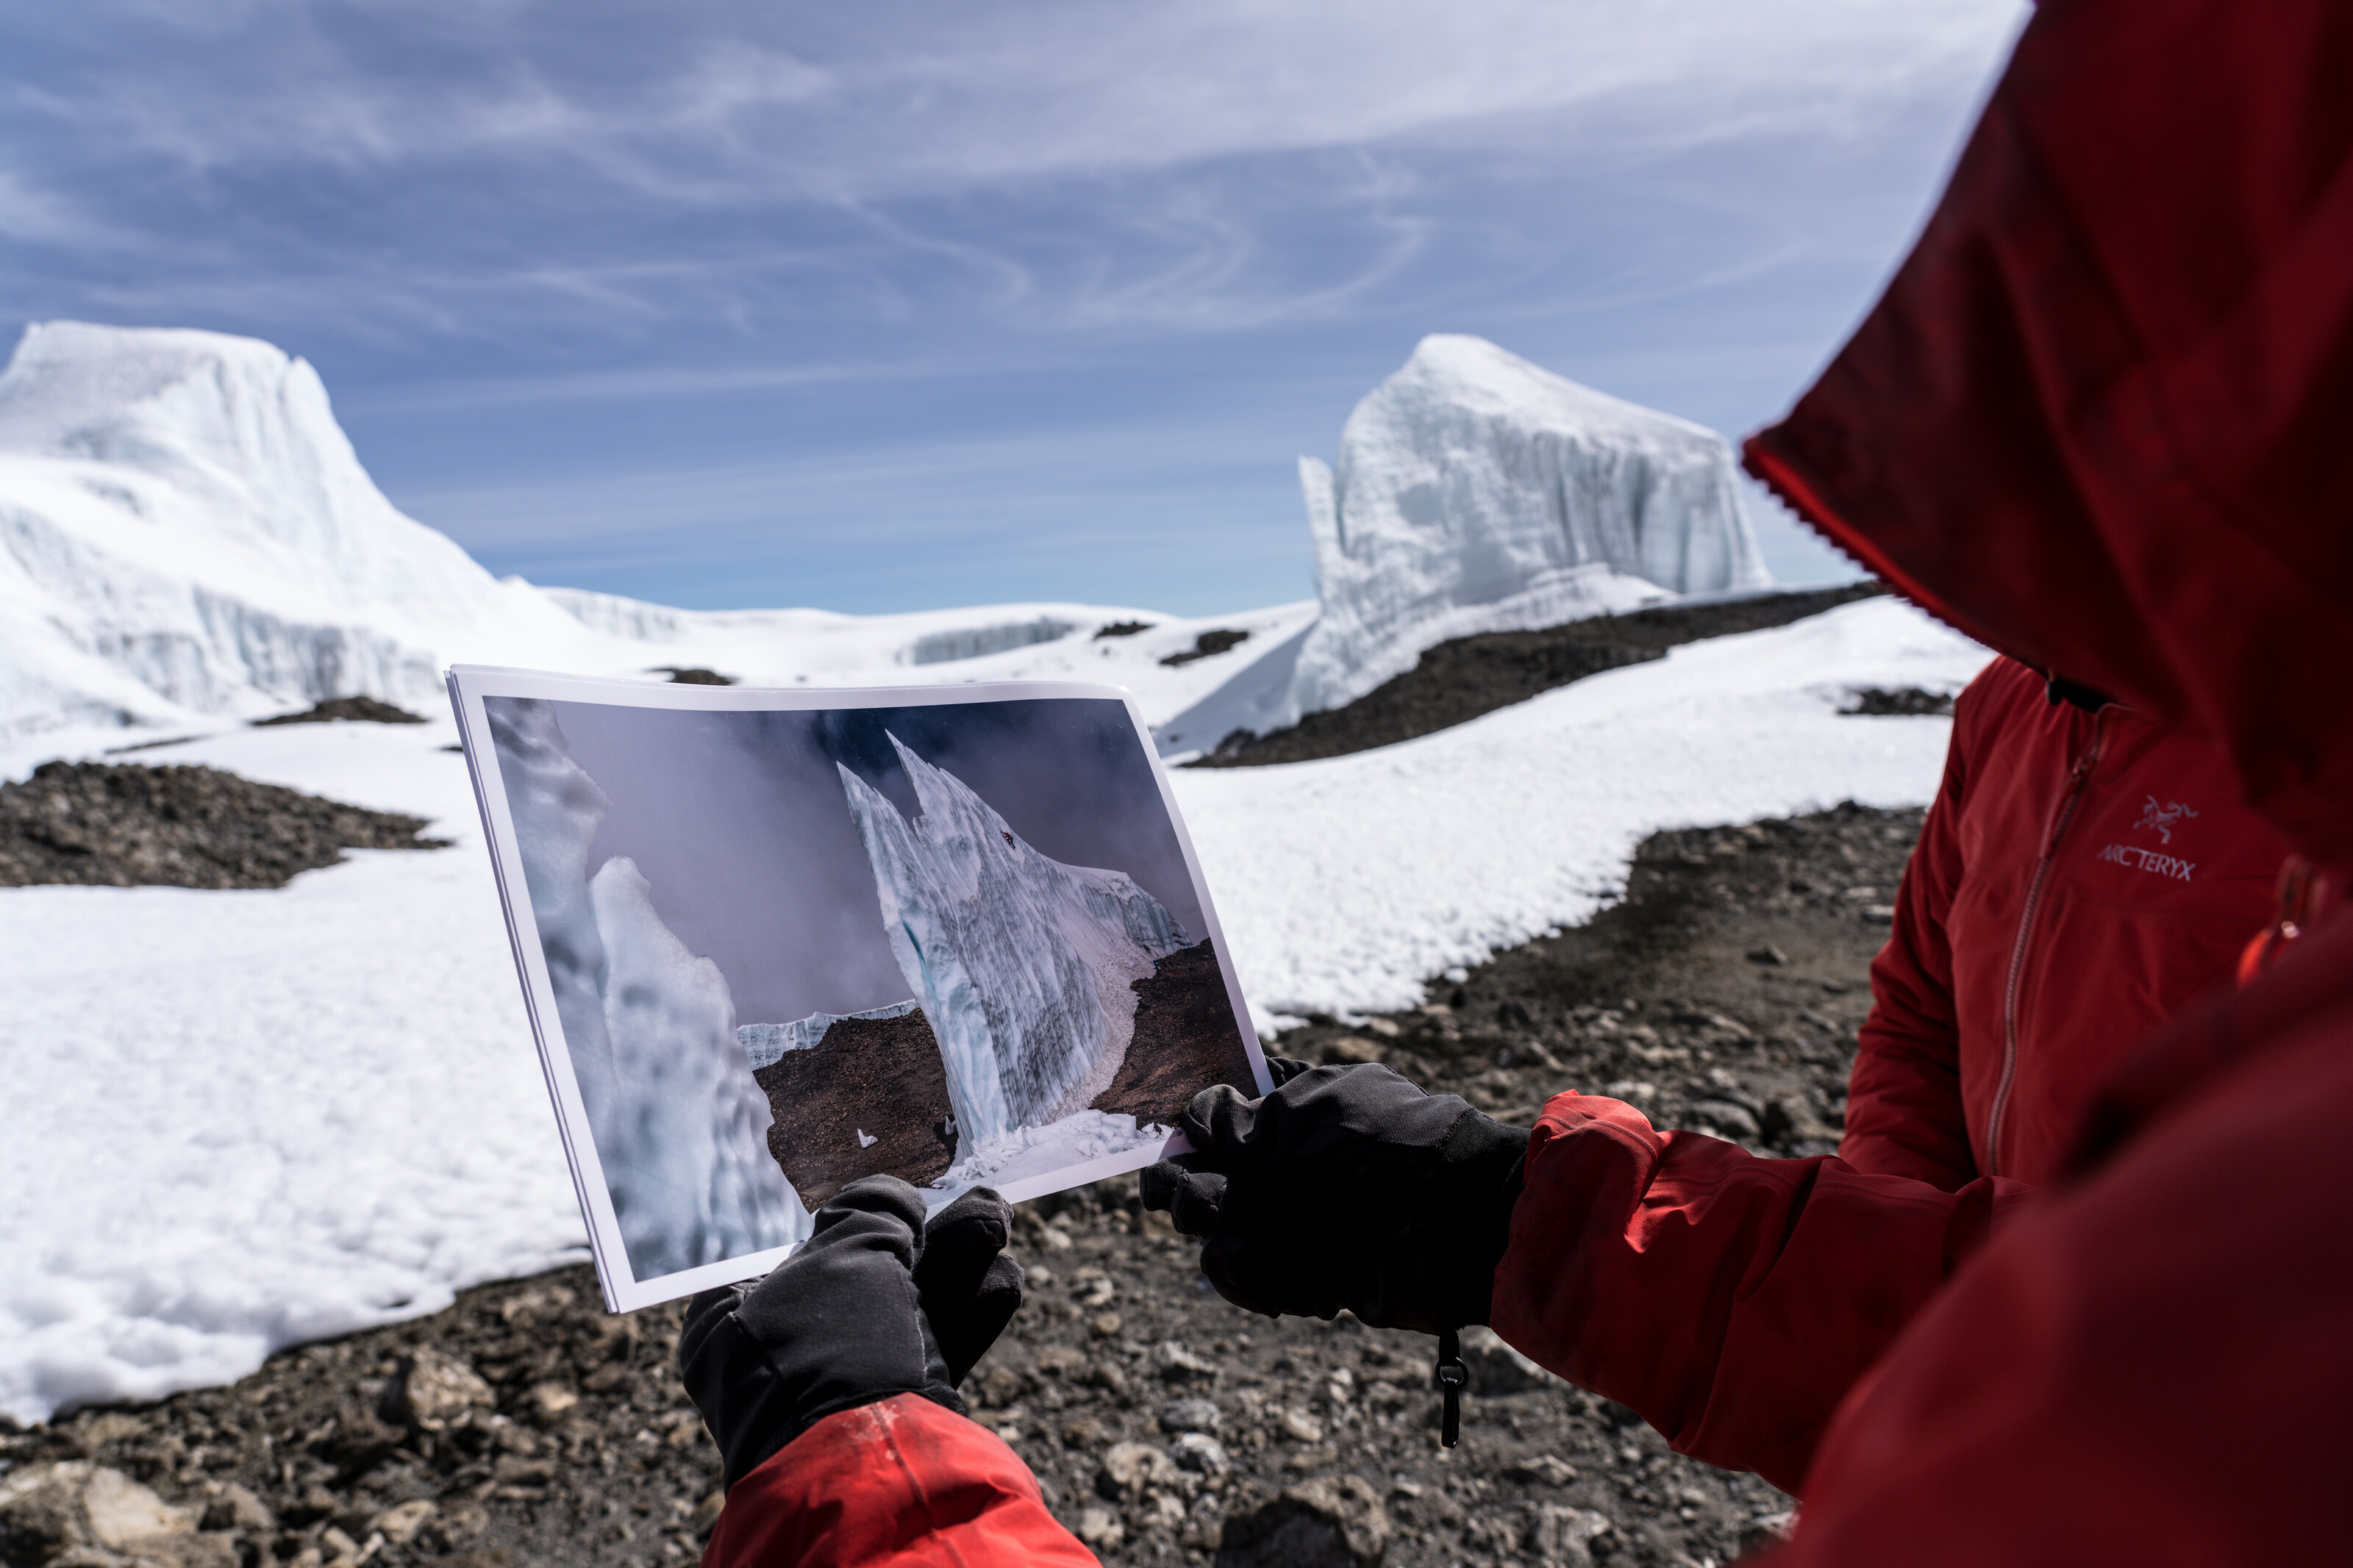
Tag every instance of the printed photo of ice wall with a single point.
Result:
(956, 943)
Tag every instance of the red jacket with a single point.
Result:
(903, 1483)
(2079, 877)
(2098, 420)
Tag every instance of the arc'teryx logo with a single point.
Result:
(2162, 817)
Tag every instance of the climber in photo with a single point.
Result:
(829, 1388)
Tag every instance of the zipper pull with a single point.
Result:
(1452, 1377)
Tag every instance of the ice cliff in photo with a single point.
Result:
(766, 1043)
(1024, 965)
(680, 1128)
(1476, 492)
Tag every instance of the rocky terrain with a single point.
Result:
(1459, 680)
(360, 709)
(121, 825)
(525, 1426)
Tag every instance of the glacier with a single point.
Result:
(187, 537)
(1477, 492)
(1024, 965)
(766, 1043)
(680, 1126)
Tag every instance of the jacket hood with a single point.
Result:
(2102, 420)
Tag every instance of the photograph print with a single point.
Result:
(776, 942)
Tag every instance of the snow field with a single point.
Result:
(1346, 884)
(238, 1120)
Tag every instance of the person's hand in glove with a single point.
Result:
(874, 1303)
(1347, 1186)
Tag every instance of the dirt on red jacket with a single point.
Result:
(2080, 877)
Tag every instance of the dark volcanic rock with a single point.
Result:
(1460, 680)
(693, 676)
(880, 1077)
(593, 1458)
(364, 709)
(121, 824)
(1185, 1040)
(1901, 701)
(1208, 644)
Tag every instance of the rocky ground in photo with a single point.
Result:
(870, 1097)
(1459, 680)
(1185, 1036)
(122, 825)
(524, 1426)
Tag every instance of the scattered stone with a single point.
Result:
(434, 1390)
(1543, 1469)
(1131, 1470)
(400, 1522)
(690, 676)
(1099, 1527)
(234, 1506)
(1190, 1415)
(1177, 1364)
(1496, 1367)
(1564, 1536)
(1768, 954)
(1298, 1426)
(1723, 1119)
(1333, 1522)
(1201, 1453)
(549, 1402)
(1351, 1048)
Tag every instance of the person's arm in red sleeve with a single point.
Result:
(1731, 1301)
(896, 1484)
(1904, 1110)
(829, 1388)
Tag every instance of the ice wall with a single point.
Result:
(1024, 965)
(689, 1126)
(765, 1044)
(1476, 492)
(680, 1128)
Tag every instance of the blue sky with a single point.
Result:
(895, 306)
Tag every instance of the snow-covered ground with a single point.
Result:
(236, 1120)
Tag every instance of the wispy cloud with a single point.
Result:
(541, 245)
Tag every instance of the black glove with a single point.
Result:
(871, 1305)
(1349, 1187)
